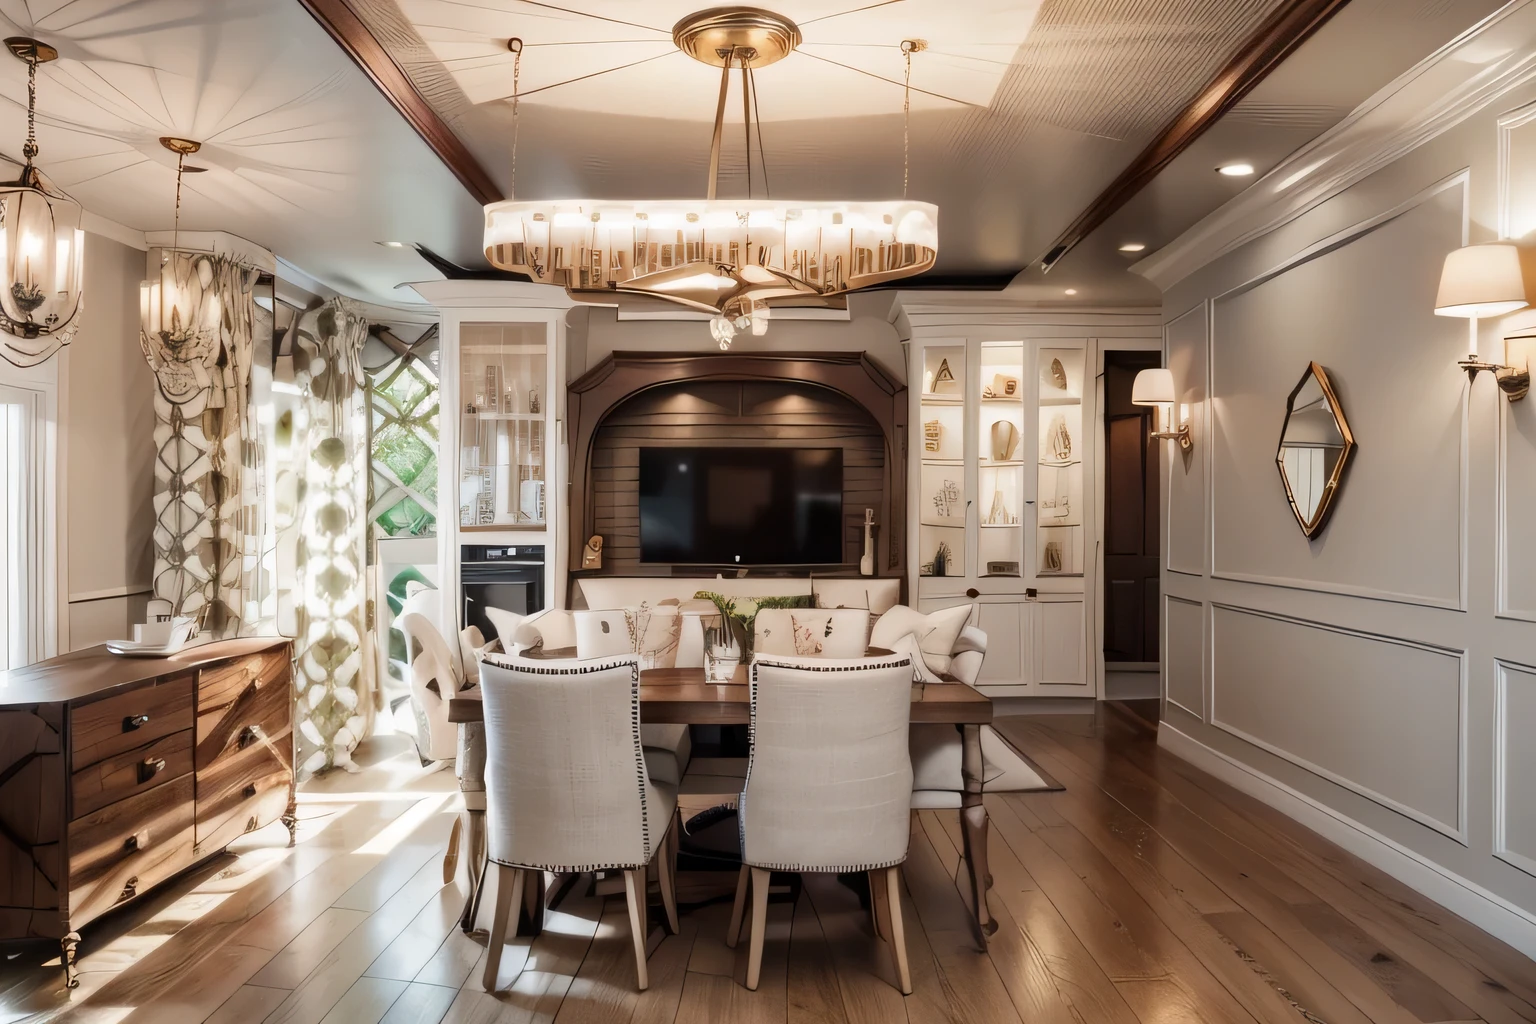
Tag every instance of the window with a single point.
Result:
(25, 575)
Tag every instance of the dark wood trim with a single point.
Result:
(338, 18)
(593, 396)
(1272, 42)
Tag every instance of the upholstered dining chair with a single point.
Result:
(433, 675)
(567, 788)
(828, 784)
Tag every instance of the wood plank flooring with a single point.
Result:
(1145, 893)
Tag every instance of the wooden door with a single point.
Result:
(1131, 499)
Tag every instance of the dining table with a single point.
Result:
(683, 696)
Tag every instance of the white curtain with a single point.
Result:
(23, 569)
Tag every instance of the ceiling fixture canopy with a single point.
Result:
(729, 257)
(41, 243)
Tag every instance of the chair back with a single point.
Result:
(602, 634)
(436, 661)
(811, 632)
(829, 780)
(565, 777)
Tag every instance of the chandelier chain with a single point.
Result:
(746, 115)
(181, 162)
(516, 46)
(906, 120)
(30, 149)
(757, 117)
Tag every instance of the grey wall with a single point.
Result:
(1386, 669)
(109, 461)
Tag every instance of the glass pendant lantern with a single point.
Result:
(178, 304)
(41, 244)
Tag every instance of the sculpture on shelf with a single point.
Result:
(1005, 441)
(933, 434)
(944, 378)
(592, 555)
(201, 361)
(1058, 440)
(1054, 376)
(867, 558)
(1002, 386)
(947, 500)
(328, 516)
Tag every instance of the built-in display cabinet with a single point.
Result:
(1002, 501)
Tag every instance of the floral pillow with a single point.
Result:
(654, 634)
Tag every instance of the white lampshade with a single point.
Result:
(1481, 281)
(1153, 387)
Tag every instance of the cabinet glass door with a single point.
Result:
(1001, 460)
(941, 489)
(502, 415)
(1059, 482)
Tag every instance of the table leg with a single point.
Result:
(973, 828)
(476, 861)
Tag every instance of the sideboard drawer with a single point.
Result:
(258, 714)
(127, 720)
(127, 847)
(240, 793)
(226, 684)
(133, 771)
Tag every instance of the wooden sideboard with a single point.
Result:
(118, 773)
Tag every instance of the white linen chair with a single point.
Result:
(567, 788)
(811, 632)
(433, 674)
(828, 784)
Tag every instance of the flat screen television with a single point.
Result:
(741, 506)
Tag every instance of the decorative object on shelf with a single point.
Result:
(485, 510)
(328, 595)
(533, 400)
(1058, 440)
(1052, 557)
(1154, 387)
(1002, 386)
(732, 258)
(592, 554)
(947, 500)
(1002, 568)
(941, 559)
(867, 558)
(933, 434)
(1054, 376)
(491, 398)
(41, 244)
(998, 514)
(1483, 281)
(1315, 446)
(1005, 441)
(944, 379)
(530, 501)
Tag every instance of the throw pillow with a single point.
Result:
(654, 634)
(909, 646)
(936, 633)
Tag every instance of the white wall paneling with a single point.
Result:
(1186, 340)
(1334, 303)
(1379, 715)
(1514, 765)
(1184, 638)
(1517, 172)
(1516, 561)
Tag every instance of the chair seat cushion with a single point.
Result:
(667, 750)
(934, 799)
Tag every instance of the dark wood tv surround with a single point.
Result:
(118, 773)
(614, 399)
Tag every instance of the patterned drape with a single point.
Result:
(328, 524)
(201, 371)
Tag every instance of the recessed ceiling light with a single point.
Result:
(1071, 291)
(394, 245)
(1235, 170)
(1133, 247)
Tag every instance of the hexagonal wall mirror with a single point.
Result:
(1315, 446)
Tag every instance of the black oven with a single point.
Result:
(500, 576)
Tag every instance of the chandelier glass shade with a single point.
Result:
(179, 304)
(732, 258)
(41, 245)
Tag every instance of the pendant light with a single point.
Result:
(41, 243)
(728, 257)
(175, 307)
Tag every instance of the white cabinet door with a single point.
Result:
(1060, 648)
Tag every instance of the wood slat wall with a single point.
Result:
(723, 414)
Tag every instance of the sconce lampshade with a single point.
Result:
(1153, 387)
(1481, 281)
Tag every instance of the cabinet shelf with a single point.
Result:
(521, 417)
(943, 400)
(995, 464)
(943, 462)
(1060, 400)
(942, 526)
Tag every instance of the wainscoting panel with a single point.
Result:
(1411, 455)
(1517, 420)
(1184, 640)
(1187, 344)
(1514, 768)
(1381, 716)
(704, 414)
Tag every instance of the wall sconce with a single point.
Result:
(1154, 387)
(1484, 281)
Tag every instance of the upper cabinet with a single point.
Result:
(503, 435)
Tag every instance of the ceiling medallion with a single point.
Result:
(730, 257)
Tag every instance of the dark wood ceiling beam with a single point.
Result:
(1287, 27)
(339, 19)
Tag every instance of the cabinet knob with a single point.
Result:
(133, 722)
(973, 592)
(150, 767)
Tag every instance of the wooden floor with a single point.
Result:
(1146, 892)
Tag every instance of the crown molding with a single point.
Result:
(1435, 95)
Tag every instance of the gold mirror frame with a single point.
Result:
(1335, 479)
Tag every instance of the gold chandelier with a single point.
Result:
(730, 257)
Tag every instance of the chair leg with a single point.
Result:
(892, 888)
(879, 912)
(666, 874)
(760, 879)
(509, 893)
(733, 933)
(634, 895)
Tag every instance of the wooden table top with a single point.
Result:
(96, 672)
(681, 696)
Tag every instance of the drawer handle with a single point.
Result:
(250, 734)
(133, 722)
(149, 768)
(130, 889)
(248, 791)
(136, 842)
